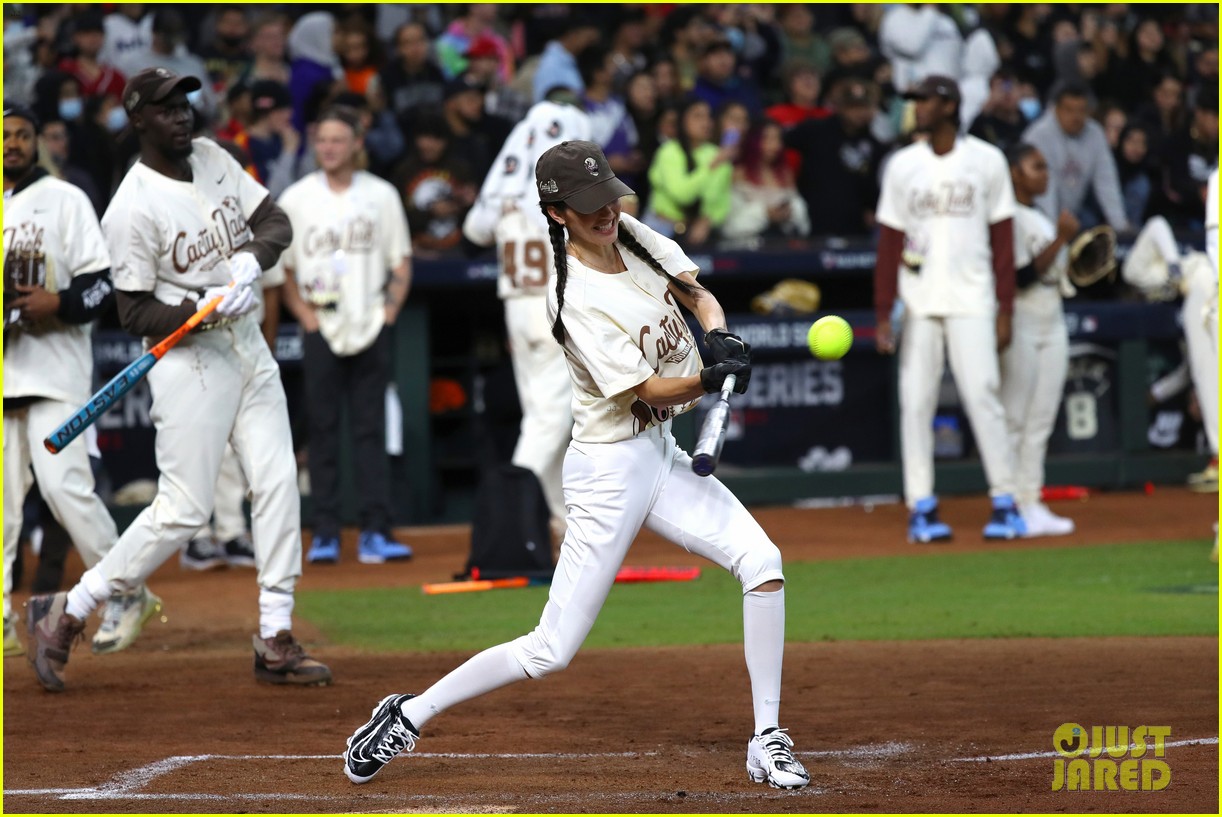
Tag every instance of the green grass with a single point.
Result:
(1158, 588)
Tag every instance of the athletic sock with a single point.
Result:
(275, 612)
(87, 594)
(764, 647)
(491, 669)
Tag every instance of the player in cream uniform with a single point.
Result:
(57, 281)
(1034, 366)
(946, 213)
(1156, 266)
(616, 305)
(348, 273)
(187, 226)
(507, 214)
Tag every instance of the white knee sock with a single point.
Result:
(492, 669)
(275, 612)
(764, 646)
(88, 593)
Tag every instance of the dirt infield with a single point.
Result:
(176, 723)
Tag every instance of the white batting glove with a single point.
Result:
(244, 269)
(235, 301)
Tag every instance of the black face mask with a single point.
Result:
(230, 41)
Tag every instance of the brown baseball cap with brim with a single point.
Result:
(154, 85)
(935, 85)
(578, 174)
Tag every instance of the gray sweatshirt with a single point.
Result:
(1077, 164)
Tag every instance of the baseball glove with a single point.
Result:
(1092, 256)
(788, 298)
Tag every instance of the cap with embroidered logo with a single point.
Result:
(578, 174)
(154, 85)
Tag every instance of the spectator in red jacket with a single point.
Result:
(92, 77)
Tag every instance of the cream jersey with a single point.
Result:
(945, 205)
(507, 209)
(51, 235)
(174, 238)
(344, 246)
(1032, 233)
(620, 329)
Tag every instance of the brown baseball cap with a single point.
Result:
(578, 174)
(935, 85)
(154, 85)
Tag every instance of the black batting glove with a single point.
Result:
(727, 346)
(712, 377)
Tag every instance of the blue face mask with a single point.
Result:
(116, 120)
(1030, 107)
(70, 109)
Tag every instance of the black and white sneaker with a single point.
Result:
(380, 740)
(202, 553)
(770, 758)
(239, 552)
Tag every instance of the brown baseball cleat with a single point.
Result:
(52, 633)
(281, 660)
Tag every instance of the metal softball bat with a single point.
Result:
(713, 433)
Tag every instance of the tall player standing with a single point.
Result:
(615, 302)
(1034, 365)
(56, 281)
(186, 226)
(946, 231)
(507, 213)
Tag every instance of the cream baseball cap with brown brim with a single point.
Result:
(578, 174)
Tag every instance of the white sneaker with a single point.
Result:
(770, 757)
(123, 618)
(1043, 522)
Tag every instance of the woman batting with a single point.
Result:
(614, 303)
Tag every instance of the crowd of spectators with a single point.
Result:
(731, 121)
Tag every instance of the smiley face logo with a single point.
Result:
(591, 165)
(1069, 740)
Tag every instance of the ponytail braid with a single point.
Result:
(634, 246)
(555, 232)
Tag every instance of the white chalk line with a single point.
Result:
(125, 785)
(1117, 749)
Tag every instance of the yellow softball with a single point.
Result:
(829, 337)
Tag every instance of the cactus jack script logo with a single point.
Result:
(1110, 758)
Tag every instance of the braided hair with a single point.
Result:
(555, 232)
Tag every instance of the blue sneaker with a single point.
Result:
(924, 526)
(1006, 522)
(324, 550)
(374, 549)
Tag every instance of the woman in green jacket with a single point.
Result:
(691, 178)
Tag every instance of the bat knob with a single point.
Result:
(702, 465)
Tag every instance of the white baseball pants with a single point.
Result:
(612, 490)
(1033, 373)
(1200, 319)
(215, 388)
(65, 480)
(971, 344)
(546, 395)
(228, 519)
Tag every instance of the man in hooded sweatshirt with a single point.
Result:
(1080, 163)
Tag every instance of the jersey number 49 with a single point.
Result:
(525, 263)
